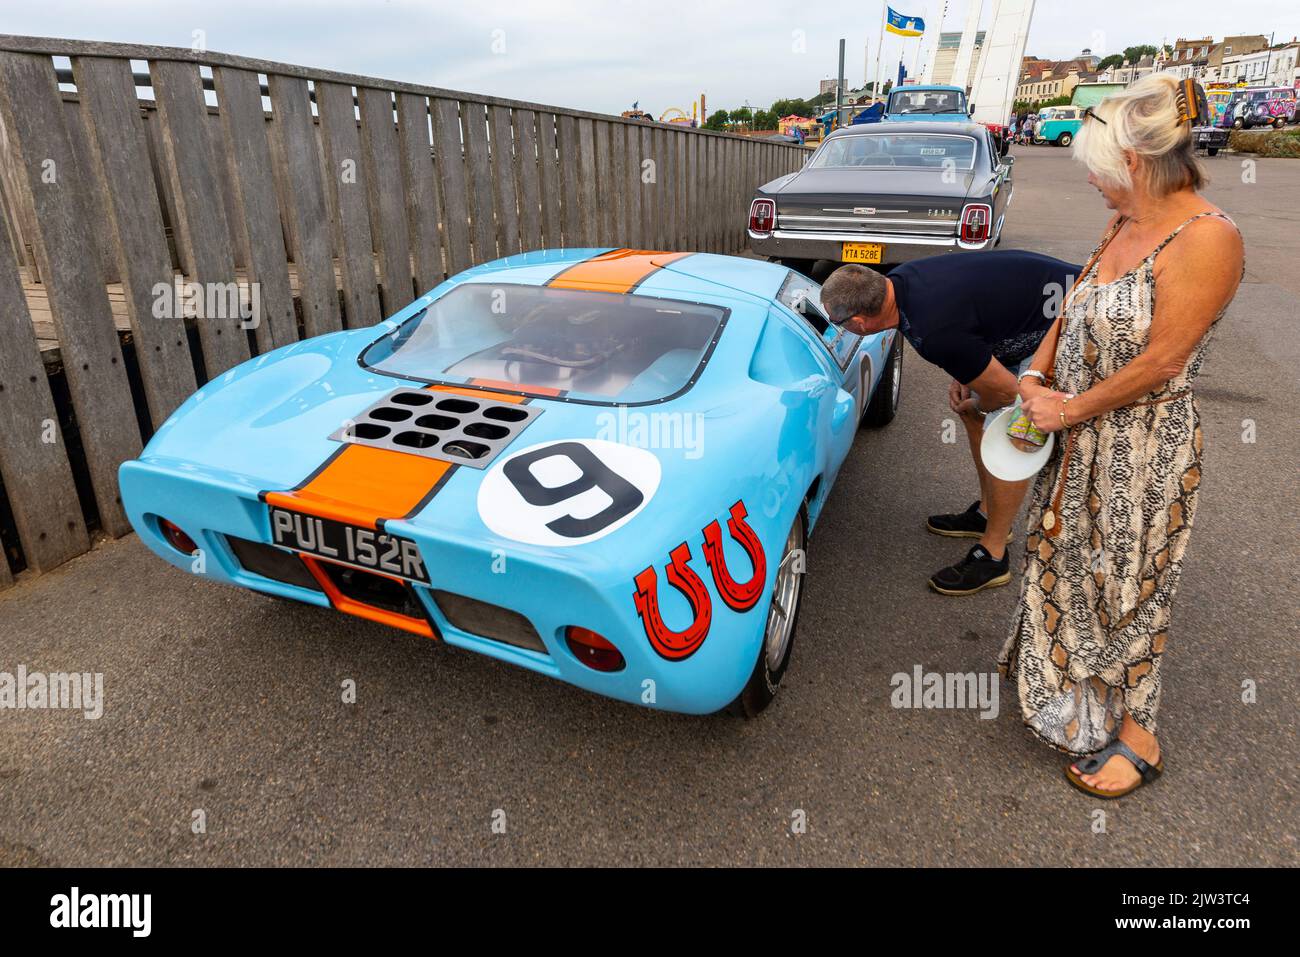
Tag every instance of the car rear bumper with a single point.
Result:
(224, 515)
(791, 244)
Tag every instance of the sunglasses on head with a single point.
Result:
(1089, 113)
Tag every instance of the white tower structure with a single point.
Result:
(961, 69)
(931, 42)
(993, 90)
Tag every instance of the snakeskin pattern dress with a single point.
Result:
(1095, 601)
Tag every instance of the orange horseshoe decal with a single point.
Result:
(737, 596)
(674, 645)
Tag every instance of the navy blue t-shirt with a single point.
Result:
(960, 310)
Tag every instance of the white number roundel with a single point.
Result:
(567, 492)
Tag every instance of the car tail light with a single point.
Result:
(593, 650)
(176, 538)
(976, 221)
(762, 216)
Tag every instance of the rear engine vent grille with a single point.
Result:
(271, 562)
(489, 621)
(454, 428)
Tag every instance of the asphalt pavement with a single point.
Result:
(225, 708)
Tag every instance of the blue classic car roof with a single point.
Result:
(911, 126)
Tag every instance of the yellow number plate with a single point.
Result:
(862, 252)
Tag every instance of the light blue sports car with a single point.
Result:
(599, 464)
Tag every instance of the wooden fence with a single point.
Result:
(338, 198)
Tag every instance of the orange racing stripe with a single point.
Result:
(619, 270)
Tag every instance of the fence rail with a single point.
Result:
(337, 198)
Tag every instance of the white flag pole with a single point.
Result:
(880, 50)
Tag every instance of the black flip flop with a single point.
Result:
(1147, 773)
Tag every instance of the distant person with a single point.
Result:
(1111, 514)
(979, 317)
(1027, 131)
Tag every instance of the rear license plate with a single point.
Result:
(862, 252)
(352, 545)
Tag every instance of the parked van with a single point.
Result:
(1260, 106)
(1058, 125)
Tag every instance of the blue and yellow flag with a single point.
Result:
(904, 26)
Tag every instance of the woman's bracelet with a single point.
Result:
(1032, 374)
(1064, 402)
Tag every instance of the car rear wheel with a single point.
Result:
(1212, 150)
(1065, 139)
(884, 404)
(778, 632)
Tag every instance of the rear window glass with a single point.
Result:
(926, 101)
(539, 340)
(885, 150)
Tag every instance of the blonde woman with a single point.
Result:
(1110, 516)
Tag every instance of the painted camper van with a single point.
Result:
(1058, 125)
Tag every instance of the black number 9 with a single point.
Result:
(625, 497)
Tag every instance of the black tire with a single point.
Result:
(1279, 123)
(884, 404)
(1212, 150)
(1065, 139)
(1238, 123)
(765, 681)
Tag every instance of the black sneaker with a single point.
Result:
(977, 571)
(967, 524)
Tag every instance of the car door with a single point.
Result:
(856, 361)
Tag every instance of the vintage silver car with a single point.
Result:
(886, 193)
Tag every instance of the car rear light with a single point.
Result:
(593, 650)
(976, 221)
(762, 216)
(176, 538)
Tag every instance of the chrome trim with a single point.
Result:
(854, 209)
(865, 222)
(892, 238)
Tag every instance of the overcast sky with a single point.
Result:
(602, 55)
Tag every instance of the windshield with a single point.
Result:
(586, 345)
(927, 101)
(910, 150)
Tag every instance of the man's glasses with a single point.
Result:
(1089, 113)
